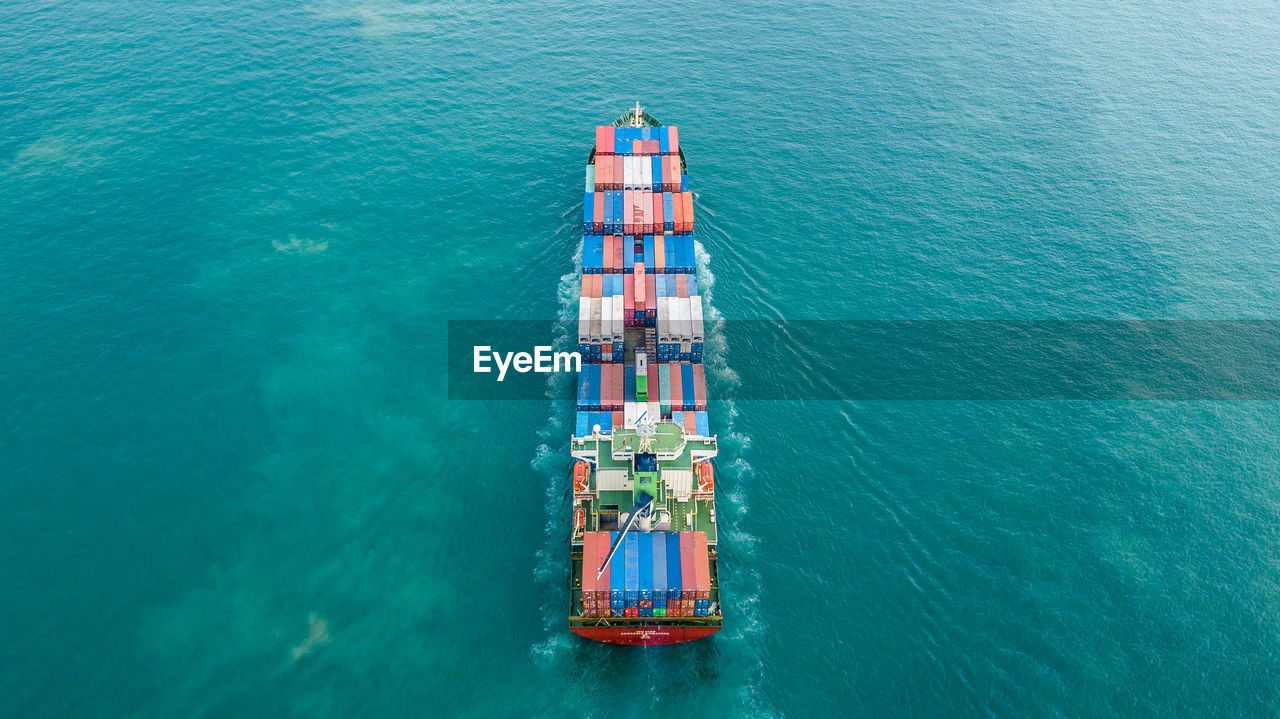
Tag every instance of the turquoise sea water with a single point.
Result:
(231, 482)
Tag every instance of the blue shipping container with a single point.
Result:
(673, 565)
(584, 389)
(664, 140)
(704, 426)
(693, 285)
(648, 253)
(645, 544)
(686, 382)
(588, 211)
(631, 566)
(593, 398)
(583, 430)
(659, 570)
(677, 416)
(617, 579)
(668, 219)
(684, 185)
(629, 388)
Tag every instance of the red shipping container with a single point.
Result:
(637, 210)
(677, 385)
(702, 565)
(688, 210)
(601, 550)
(618, 419)
(597, 212)
(699, 388)
(604, 170)
(637, 148)
(655, 147)
(641, 295)
(588, 574)
(604, 139)
(677, 211)
(631, 612)
(669, 174)
(647, 203)
(628, 302)
(659, 254)
(586, 285)
(690, 423)
(620, 386)
(673, 140)
(657, 210)
(595, 285)
(688, 575)
(654, 387)
(682, 286)
(651, 291)
(606, 257)
(617, 254)
(615, 393)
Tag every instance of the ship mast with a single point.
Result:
(635, 117)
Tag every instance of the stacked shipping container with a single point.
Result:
(638, 221)
(653, 574)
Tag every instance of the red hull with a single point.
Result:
(644, 636)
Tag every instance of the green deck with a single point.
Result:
(696, 514)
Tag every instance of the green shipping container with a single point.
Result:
(591, 179)
(664, 387)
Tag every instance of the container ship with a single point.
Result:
(644, 544)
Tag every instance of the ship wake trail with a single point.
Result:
(746, 629)
(548, 466)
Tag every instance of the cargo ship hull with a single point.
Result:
(644, 636)
(644, 546)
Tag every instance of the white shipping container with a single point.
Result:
(664, 319)
(695, 307)
(584, 320)
(617, 318)
(628, 173)
(595, 321)
(606, 319)
(631, 411)
(655, 410)
(686, 320)
(646, 170)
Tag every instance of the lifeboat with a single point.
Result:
(581, 476)
(579, 519)
(706, 477)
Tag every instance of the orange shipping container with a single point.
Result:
(659, 254)
(687, 201)
(702, 565)
(641, 295)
